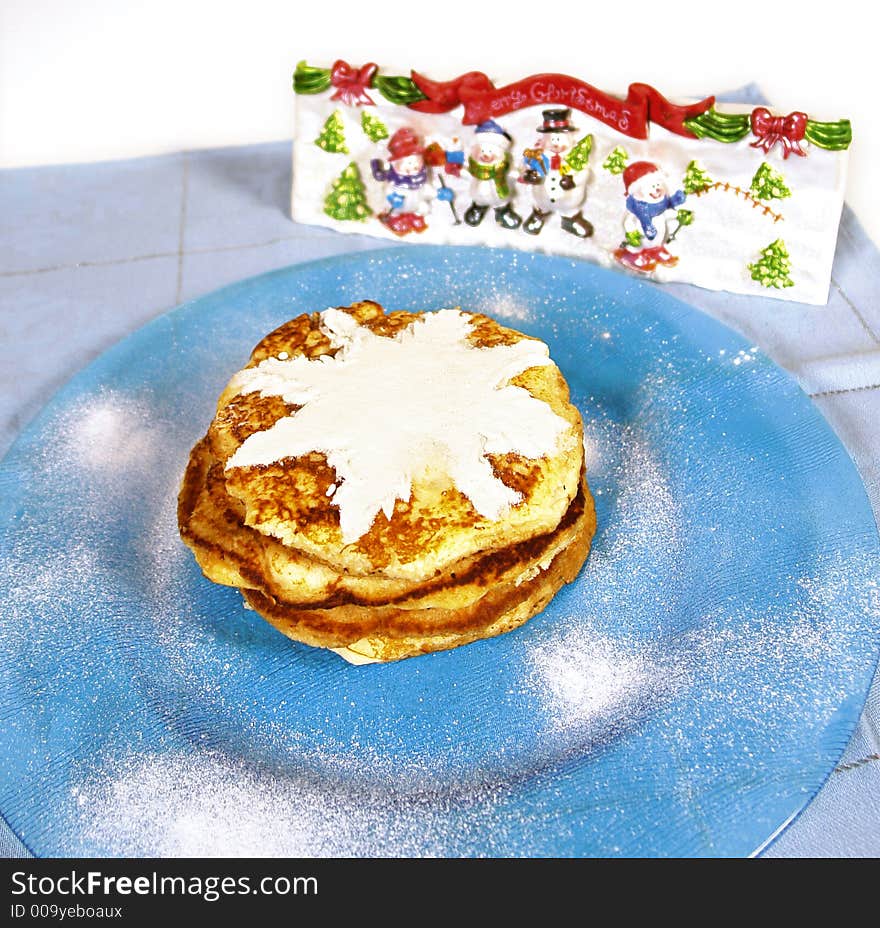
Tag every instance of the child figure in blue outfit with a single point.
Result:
(650, 220)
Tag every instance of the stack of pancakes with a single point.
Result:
(435, 573)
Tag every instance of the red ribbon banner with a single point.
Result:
(787, 130)
(446, 95)
(482, 100)
(351, 83)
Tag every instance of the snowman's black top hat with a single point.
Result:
(557, 121)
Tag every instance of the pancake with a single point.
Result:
(451, 539)
(438, 524)
(406, 629)
(235, 554)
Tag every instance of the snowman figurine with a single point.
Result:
(488, 164)
(408, 189)
(554, 188)
(650, 218)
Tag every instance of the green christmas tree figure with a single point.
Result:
(773, 267)
(576, 160)
(768, 184)
(332, 137)
(695, 179)
(347, 199)
(616, 161)
(374, 129)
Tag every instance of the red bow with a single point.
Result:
(770, 129)
(351, 84)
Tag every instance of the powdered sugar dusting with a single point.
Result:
(802, 635)
(165, 559)
(113, 446)
(37, 583)
(589, 677)
(583, 677)
(205, 804)
(640, 537)
(505, 305)
(109, 435)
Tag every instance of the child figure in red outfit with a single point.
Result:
(408, 190)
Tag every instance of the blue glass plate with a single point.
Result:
(687, 695)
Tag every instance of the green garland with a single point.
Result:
(731, 127)
(834, 136)
(723, 127)
(400, 91)
(307, 79)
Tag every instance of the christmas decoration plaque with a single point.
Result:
(730, 198)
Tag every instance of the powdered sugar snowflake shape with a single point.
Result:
(386, 410)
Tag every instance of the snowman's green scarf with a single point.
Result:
(494, 172)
